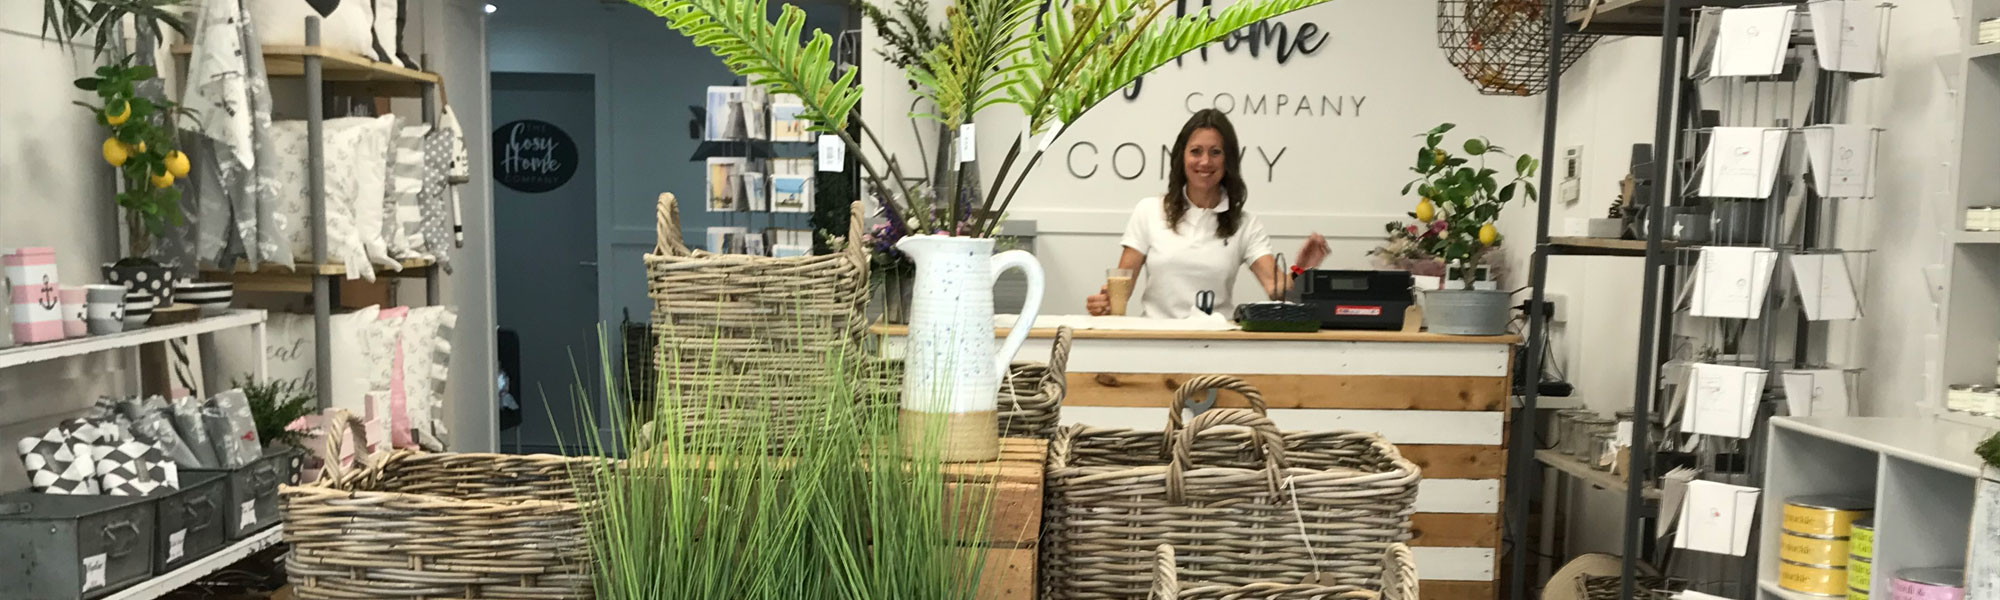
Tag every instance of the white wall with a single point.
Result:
(58, 194)
(1338, 175)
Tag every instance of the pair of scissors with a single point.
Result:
(1204, 301)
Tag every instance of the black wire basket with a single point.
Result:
(1277, 316)
(1502, 46)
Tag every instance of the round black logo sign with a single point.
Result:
(533, 156)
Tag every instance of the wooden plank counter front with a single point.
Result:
(1441, 399)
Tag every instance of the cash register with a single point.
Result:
(1355, 299)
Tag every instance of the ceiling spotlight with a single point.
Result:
(490, 8)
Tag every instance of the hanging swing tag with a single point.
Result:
(968, 143)
(832, 154)
(1049, 136)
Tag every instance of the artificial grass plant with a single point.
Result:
(712, 508)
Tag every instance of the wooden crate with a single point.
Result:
(1013, 533)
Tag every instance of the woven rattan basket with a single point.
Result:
(754, 334)
(1030, 398)
(423, 526)
(1398, 582)
(1232, 503)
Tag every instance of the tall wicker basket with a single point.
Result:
(1233, 504)
(421, 526)
(756, 335)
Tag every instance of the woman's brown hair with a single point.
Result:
(1234, 191)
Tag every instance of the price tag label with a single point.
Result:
(176, 545)
(832, 154)
(249, 515)
(968, 143)
(93, 571)
(1049, 137)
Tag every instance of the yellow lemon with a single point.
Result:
(114, 152)
(1425, 210)
(1488, 234)
(1438, 156)
(177, 164)
(118, 118)
(163, 180)
(139, 147)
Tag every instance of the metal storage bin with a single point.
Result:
(73, 547)
(252, 502)
(191, 522)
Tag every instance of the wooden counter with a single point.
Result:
(1441, 399)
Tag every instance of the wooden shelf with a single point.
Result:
(1976, 237)
(342, 67)
(1637, 17)
(307, 269)
(1586, 246)
(34, 353)
(1599, 479)
(297, 279)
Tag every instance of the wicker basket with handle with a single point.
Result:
(756, 335)
(1232, 503)
(1399, 582)
(415, 525)
(1030, 398)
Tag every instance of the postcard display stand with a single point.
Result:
(757, 152)
(1767, 144)
(1755, 132)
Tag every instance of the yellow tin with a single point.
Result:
(1818, 581)
(1861, 539)
(1825, 515)
(1859, 572)
(1813, 550)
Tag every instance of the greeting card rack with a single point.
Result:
(1787, 229)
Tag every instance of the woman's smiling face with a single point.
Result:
(1204, 159)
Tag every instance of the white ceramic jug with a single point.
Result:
(951, 383)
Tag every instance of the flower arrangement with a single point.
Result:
(1459, 201)
(1054, 65)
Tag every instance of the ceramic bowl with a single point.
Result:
(138, 309)
(211, 297)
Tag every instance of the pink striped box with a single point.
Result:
(34, 295)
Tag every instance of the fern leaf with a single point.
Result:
(767, 52)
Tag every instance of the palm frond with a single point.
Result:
(985, 51)
(68, 20)
(768, 52)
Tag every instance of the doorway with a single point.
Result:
(545, 251)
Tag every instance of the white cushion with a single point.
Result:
(345, 25)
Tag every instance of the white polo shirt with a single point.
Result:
(1181, 264)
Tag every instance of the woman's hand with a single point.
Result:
(1313, 252)
(1099, 304)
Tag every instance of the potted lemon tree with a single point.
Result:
(1460, 200)
(141, 147)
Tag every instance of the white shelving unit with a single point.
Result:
(130, 341)
(1919, 470)
(194, 571)
(25, 355)
(1965, 348)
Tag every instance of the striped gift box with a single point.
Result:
(35, 295)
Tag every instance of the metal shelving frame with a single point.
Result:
(1677, 104)
(313, 64)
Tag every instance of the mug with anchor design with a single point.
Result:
(33, 295)
(105, 308)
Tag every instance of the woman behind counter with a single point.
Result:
(1198, 237)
